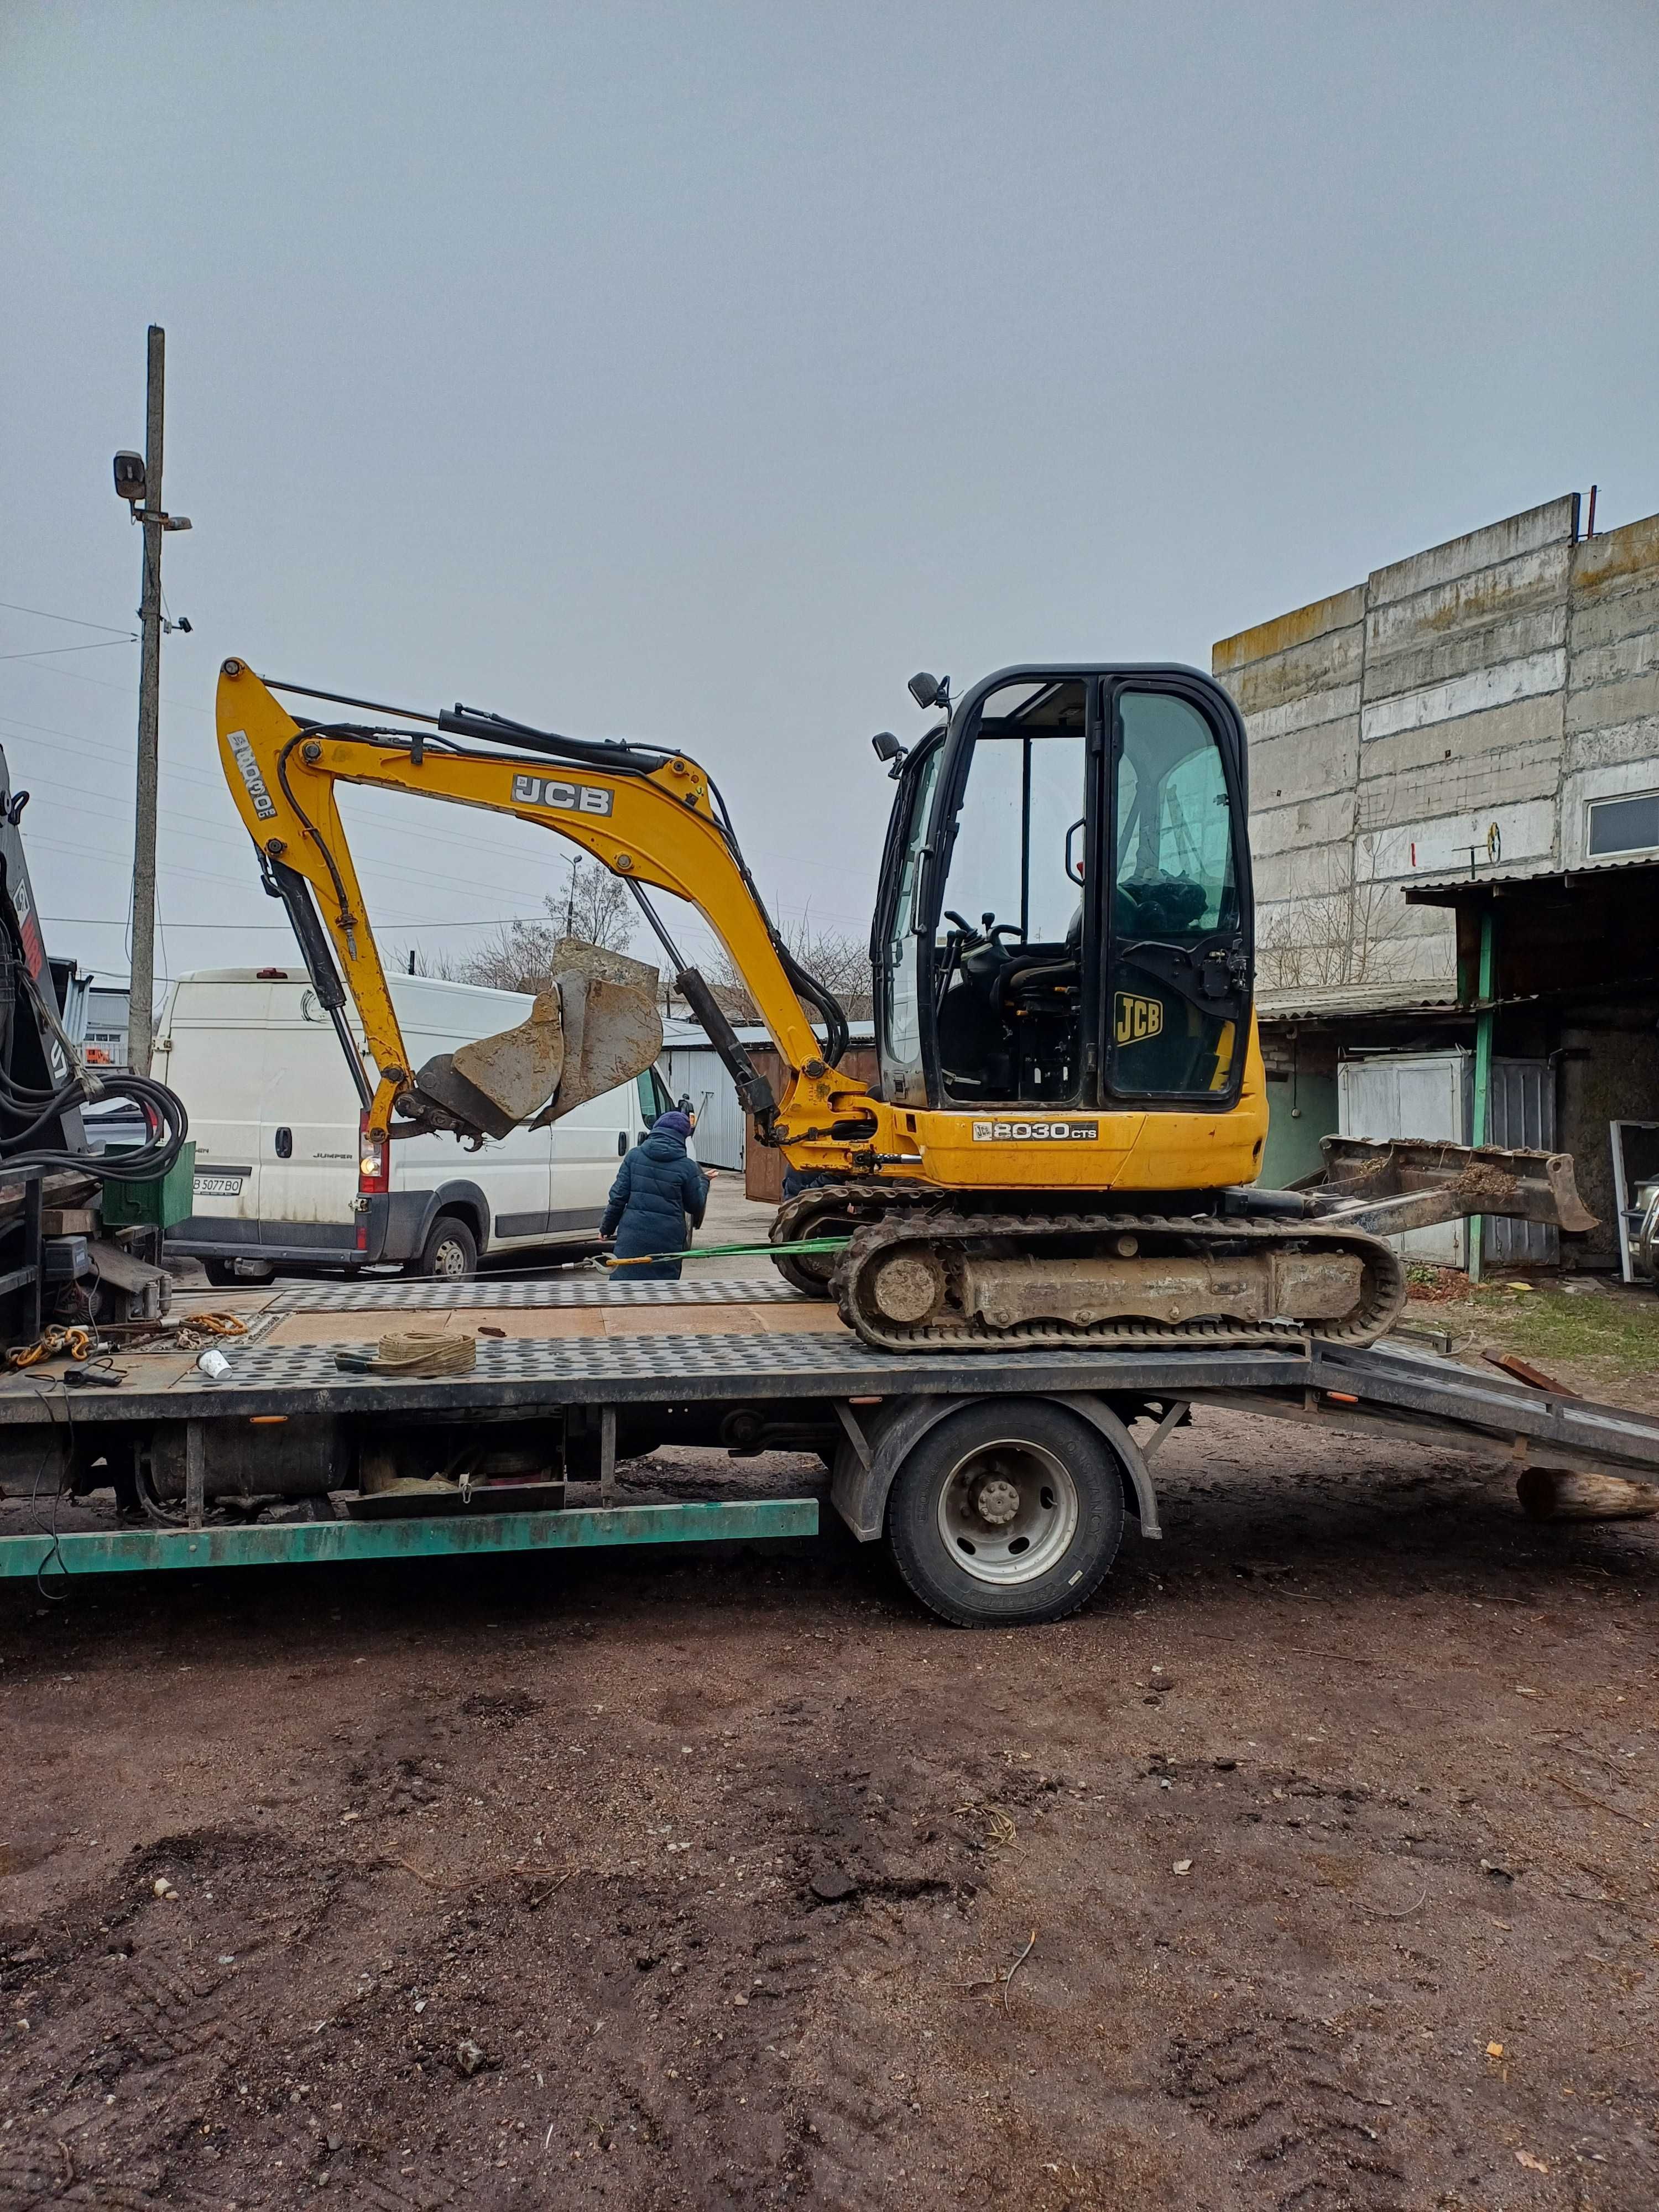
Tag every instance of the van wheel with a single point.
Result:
(220, 1272)
(1005, 1513)
(451, 1250)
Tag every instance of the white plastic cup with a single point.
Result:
(213, 1364)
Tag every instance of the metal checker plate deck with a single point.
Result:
(298, 1378)
(559, 1291)
(747, 1363)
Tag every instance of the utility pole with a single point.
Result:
(136, 480)
(141, 1009)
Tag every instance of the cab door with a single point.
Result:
(1011, 872)
(902, 941)
(1178, 973)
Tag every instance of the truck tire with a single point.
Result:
(450, 1250)
(1006, 1513)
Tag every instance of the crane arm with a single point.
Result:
(649, 818)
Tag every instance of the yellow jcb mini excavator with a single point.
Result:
(1071, 1103)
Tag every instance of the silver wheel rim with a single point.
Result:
(448, 1258)
(1008, 1511)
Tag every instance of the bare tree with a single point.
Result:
(840, 963)
(1356, 935)
(594, 906)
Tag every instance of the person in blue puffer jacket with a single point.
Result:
(656, 1199)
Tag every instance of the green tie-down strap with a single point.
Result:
(734, 1251)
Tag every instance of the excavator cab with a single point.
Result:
(1064, 917)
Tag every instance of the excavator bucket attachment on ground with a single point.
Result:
(594, 1027)
(1391, 1184)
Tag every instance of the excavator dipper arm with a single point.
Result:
(649, 817)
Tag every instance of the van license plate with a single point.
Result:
(221, 1186)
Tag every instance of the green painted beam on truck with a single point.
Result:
(308, 1543)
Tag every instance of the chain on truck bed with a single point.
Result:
(950, 1238)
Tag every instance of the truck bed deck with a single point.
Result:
(751, 1346)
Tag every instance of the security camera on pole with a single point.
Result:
(139, 480)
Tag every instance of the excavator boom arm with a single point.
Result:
(651, 825)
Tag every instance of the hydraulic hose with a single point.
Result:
(165, 1118)
(819, 995)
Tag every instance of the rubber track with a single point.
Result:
(795, 1219)
(1018, 1233)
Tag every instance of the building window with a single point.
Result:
(1624, 825)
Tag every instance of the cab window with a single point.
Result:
(1174, 1011)
(1008, 960)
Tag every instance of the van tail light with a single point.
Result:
(373, 1174)
(373, 1159)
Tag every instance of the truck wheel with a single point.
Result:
(1005, 1513)
(451, 1250)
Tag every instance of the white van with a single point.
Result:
(283, 1181)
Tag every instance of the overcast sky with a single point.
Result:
(695, 374)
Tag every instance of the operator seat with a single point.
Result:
(1038, 972)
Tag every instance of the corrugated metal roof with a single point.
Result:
(1459, 879)
(1328, 1001)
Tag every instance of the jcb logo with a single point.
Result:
(568, 798)
(1137, 1018)
(247, 767)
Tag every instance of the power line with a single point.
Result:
(74, 676)
(74, 621)
(383, 870)
(498, 853)
(80, 740)
(391, 921)
(228, 833)
(50, 652)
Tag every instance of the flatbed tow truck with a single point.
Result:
(1036, 1245)
(1000, 1482)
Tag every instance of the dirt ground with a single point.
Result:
(1321, 1849)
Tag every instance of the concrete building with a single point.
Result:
(1476, 725)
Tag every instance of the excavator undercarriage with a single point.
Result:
(919, 1272)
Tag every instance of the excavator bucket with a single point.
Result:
(595, 1026)
(1391, 1184)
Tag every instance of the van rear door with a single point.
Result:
(308, 1130)
(212, 1052)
